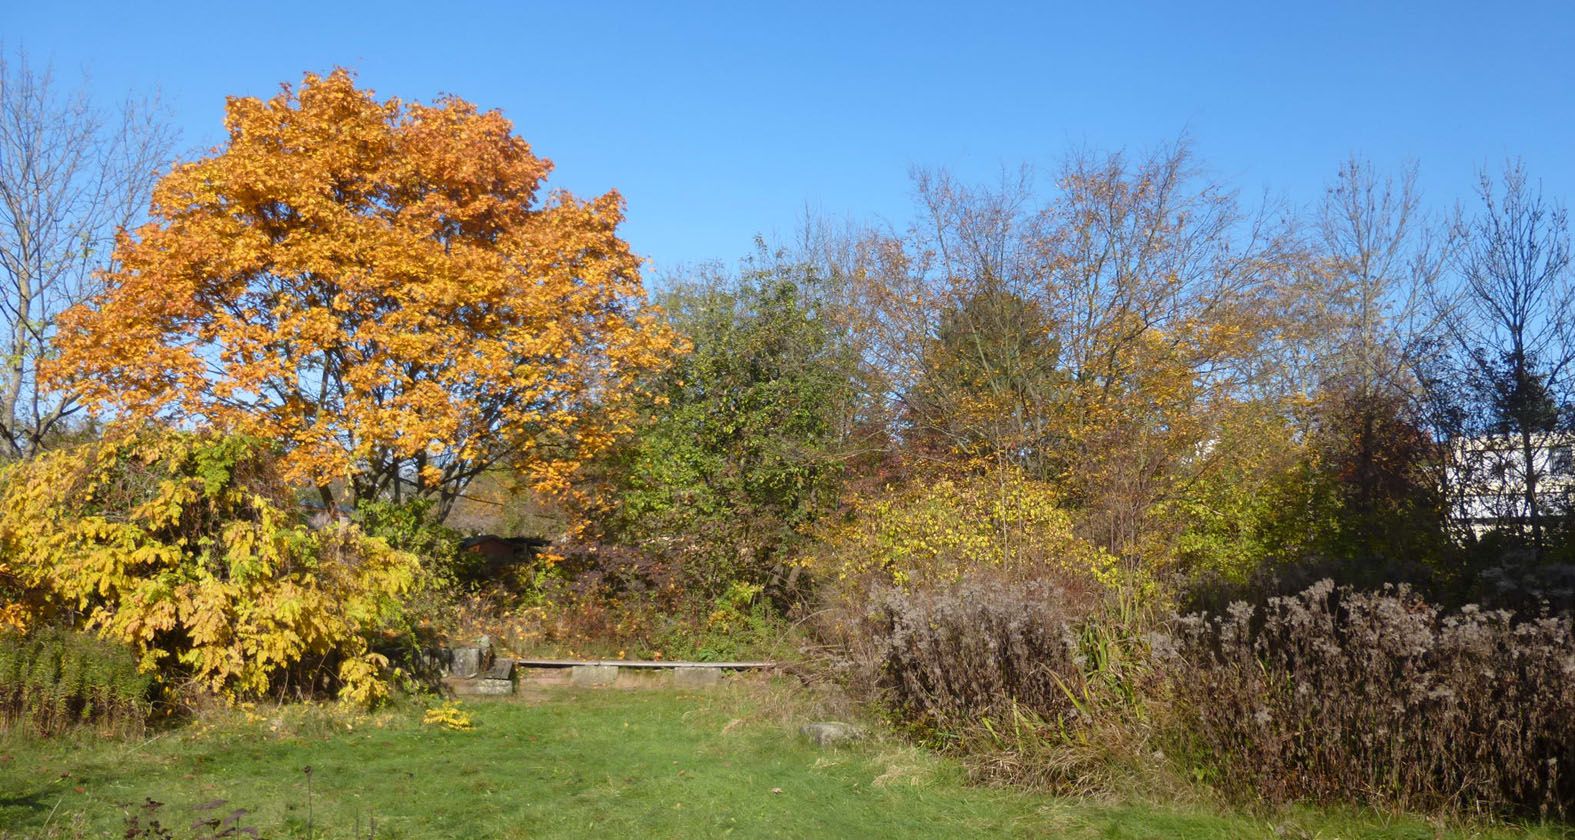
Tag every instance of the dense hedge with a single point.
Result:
(190, 549)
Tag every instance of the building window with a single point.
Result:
(1563, 460)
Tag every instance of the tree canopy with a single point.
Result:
(385, 288)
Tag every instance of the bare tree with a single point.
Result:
(72, 175)
(1513, 321)
(1379, 256)
(1376, 256)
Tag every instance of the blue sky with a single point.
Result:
(719, 121)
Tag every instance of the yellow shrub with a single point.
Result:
(935, 530)
(185, 547)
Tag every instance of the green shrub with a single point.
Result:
(52, 680)
(743, 445)
(411, 527)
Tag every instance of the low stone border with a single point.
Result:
(475, 672)
(659, 664)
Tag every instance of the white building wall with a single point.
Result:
(1487, 480)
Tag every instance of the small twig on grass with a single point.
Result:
(53, 810)
(146, 742)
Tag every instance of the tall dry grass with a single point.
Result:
(1380, 698)
(1031, 682)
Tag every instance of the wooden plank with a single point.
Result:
(643, 663)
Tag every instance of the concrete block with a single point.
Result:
(464, 662)
(695, 678)
(482, 687)
(587, 676)
(641, 678)
(470, 661)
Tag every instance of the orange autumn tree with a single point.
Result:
(384, 288)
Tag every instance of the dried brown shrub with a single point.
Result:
(1031, 681)
(1380, 698)
(977, 648)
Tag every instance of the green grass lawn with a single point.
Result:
(602, 764)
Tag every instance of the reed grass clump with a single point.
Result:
(52, 680)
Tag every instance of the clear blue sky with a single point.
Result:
(722, 120)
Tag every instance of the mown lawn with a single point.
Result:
(603, 764)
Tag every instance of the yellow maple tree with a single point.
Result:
(384, 288)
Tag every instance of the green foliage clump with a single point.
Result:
(990, 384)
(1352, 500)
(412, 527)
(53, 679)
(742, 447)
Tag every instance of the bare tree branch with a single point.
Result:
(72, 176)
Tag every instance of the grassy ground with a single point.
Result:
(605, 764)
